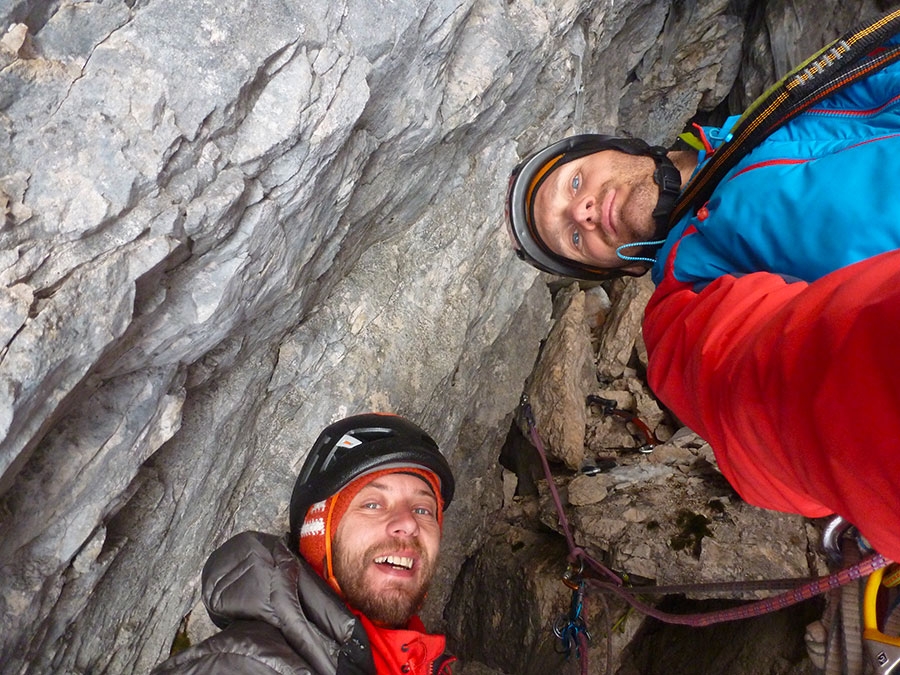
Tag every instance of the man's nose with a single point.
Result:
(403, 522)
(585, 212)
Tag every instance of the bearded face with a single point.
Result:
(380, 584)
(589, 207)
(386, 547)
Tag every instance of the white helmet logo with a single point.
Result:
(348, 441)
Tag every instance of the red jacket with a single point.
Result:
(796, 386)
(774, 331)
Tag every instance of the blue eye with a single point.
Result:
(576, 181)
(576, 238)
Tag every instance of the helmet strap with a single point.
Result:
(668, 178)
(328, 571)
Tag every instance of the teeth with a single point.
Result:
(395, 561)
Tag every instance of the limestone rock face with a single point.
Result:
(224, 225)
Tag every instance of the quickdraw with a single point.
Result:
(610, 407)
(570, 628)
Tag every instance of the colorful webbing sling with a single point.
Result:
(845, 60)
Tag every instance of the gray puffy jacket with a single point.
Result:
(278, 616)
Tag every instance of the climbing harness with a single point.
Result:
(584, 571)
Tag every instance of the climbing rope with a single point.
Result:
(575, 552)
(585, 570)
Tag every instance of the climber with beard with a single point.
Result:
(339, 593)
(774, 327)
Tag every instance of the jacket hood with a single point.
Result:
(254, 576)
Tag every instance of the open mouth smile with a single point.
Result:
(397, 562)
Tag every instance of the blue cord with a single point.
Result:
(630, 258)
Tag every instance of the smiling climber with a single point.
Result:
(774, 245)
(339, 594)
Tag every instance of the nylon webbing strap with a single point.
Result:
(830, 69)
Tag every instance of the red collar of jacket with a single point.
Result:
(409, 651)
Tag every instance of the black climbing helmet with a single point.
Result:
(360, 444)
(527, 177)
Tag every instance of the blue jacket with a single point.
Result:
(820, 193)
(774, 330)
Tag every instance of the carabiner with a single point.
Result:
(831, 538)
(884, 650)
(572, 576)
(610, 407)
(568, 627)
(527, 411)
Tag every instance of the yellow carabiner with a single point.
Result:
(884, 650)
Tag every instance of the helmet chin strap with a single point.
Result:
(668, 178)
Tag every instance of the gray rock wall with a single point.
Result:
(227, 224)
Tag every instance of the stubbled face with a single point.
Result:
(590, 206)
(386, 547)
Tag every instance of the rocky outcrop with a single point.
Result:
(560, 378)
(227, 224)
(643, 501)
